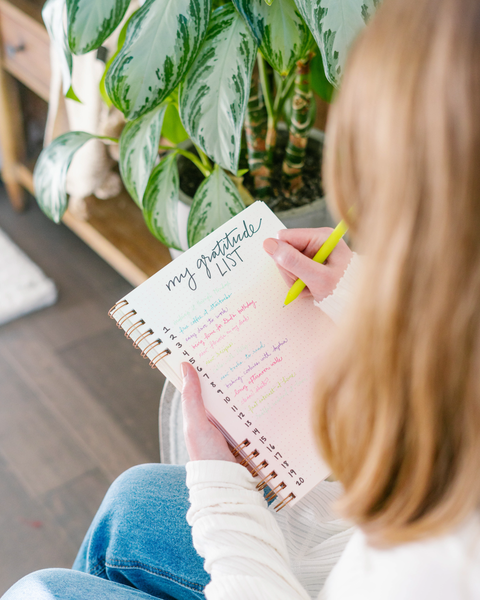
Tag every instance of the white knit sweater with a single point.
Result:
(306, 551)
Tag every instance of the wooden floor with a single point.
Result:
(78, 405)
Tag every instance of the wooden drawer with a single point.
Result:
(25, 48)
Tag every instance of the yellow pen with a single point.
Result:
(320, 257)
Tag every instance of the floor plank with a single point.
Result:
(31, 537)
(36, 445)
(67, 326)
(129, 398)
(83, 415)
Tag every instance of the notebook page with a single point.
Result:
(220, 306)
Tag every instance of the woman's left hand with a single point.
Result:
(204, 441)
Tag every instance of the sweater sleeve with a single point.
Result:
(244, 549)
(334, 304)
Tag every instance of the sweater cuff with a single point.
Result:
(334, 305)
(218, 472)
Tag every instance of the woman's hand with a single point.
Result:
(293, 252)
(204, 441)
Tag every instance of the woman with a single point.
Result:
(398, 411)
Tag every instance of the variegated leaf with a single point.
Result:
(215, 201)
(90, 22)
(50, 173)
(139, 150)
(334, 25)
(279, 29)
(162, 39)
(160, 204)
(52, 14)
(213, 96)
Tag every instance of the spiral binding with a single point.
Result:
(248, 458)
(266, 480)
(117, 306)
(125, 318)
(151, 346)
(158, 358)
(240, 446)
(273, 493)
(142, 337)
(262, 465)
(129, 332)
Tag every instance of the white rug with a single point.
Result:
(23, 286)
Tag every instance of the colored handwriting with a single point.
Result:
(280, 383)
(277, 347)
(288, 392)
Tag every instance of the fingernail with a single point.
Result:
(270, 246)
(184, 370)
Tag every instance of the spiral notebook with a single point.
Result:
(220, 307)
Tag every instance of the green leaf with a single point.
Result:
(162, 40)
(121, 40)
(280, 31)
(160, 204)
(213, 96)
(319, 81)
(90, 22)
(52, 14)
(72, 95)
(50, 173)
(139, 150)
(334, 25)
(172, 128)
(214, 203)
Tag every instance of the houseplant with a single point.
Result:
(208, 70)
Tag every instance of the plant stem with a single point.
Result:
(255, 132)
(271, 137)
(204, 158)
(202, 168)
(299, 128)
(283, 93)
(266, 87)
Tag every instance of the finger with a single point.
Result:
(287, 277)
(192, 402)
(308, 241)
(290, 279)
(292, 260)
(203, 440)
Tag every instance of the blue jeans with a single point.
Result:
(138, 547)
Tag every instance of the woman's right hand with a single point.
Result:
(293, 251)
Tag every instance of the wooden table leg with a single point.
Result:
(11, 138)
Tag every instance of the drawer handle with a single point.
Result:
(13, 50)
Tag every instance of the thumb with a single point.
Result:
(292, 260)
(192, 402)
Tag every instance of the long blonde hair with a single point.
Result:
(399, 402)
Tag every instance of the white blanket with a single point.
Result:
(23, 286)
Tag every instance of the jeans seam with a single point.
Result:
(132, 564)
(97, 569)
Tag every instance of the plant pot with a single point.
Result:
(313, 214)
